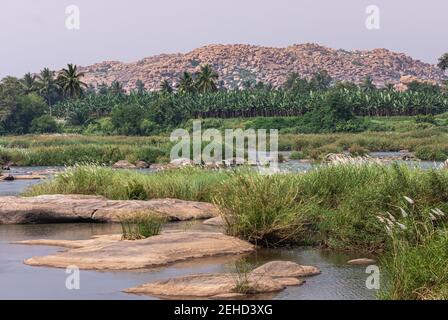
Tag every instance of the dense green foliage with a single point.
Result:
(319, 104)
(172, 109)
(17, 108)
(44, 124)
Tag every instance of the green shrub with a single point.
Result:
(296, 155)
(44, 124)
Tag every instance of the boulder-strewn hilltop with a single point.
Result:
(237, 63)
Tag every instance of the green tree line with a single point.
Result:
(43, 97)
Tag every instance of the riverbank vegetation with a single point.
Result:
(340, 202)
(395, 211)
(427, 142)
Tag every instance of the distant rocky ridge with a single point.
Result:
(238, 63)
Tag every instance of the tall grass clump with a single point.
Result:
(187, 183)
(262, 209)
(244, 280)
(417, 263)
(141, 225)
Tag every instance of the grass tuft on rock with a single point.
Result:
(141, 225)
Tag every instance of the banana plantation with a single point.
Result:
(257, 103)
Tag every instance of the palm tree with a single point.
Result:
(116, 88)
(367, 84)
(206, 79)
(186, 83)
(443, 62)
(29, 83)
(70, 82)
(291, 81)
(165, 86)
(48, 87)
(140, 86)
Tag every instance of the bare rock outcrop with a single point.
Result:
(111, 253)
(75, 208)
(239, 63)
(405, 81)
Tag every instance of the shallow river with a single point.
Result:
(19, 281)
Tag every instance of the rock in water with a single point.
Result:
(286, 269)
(361, 261)
(111, 253)
(181, 162)
(76, 208)
(208, 286)
(142, 165)
(123, 164)
(271, 277)
(216, 221)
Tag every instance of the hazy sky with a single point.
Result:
(33, 34)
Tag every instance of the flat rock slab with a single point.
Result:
(361, 261)
(213, 286)
(76, 208)
(228, 285)
(22, 177)
(216, 221)
(111, 253)
(280, 269)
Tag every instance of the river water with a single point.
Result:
(19, 281)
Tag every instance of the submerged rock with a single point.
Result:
(76, 208)
(361, 261)
(271, 277)
(123, 164)
(8, 177)
(111, 253)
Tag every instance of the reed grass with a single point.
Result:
(335, 206)
(141, 225)
(417, 263)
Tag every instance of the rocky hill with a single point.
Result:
(237, 63)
